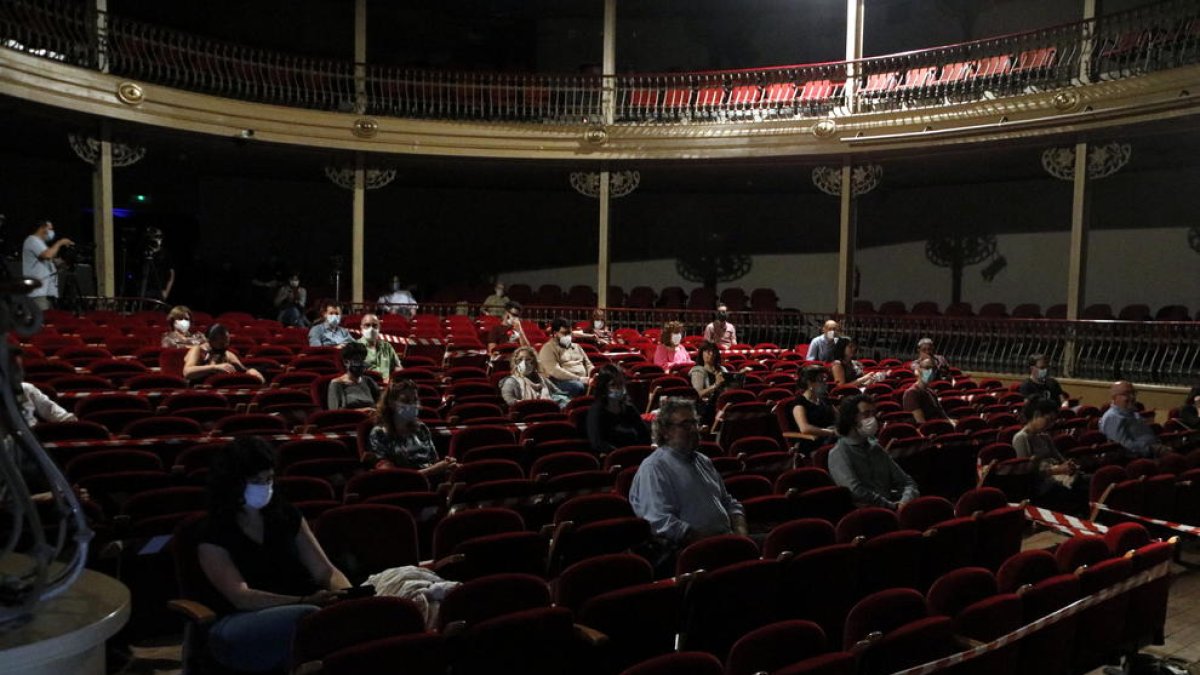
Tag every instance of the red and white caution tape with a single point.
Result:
(1190, 530)
(1156, 572)
(193, 440)
(1061, 522)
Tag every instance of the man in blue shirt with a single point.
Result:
(823, 346)
(677, 489)
(1123, 425)
(329, 333)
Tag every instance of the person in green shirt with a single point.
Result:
(381, 356)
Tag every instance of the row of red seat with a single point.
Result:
(999, 310)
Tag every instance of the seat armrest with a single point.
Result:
(193, 611)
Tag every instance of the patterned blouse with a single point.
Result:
(415, 451)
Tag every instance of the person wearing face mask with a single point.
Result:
(823, 347)
(1039, 384)
(39, 258)
(329, 333)
(941, 368)
(596, 331)
(215, 356)
(290, 301)
(1189, 412)
(1123, 424)
(398, 300)
(1058, 483)
(266, 569)
(563, 361)
(845, 369)
(381, 356)
(496, 303)
(813, 413)
(708, 378)
(181, 335)
(861, 465)
(508, 330)
(677, 489)
(721, 332)
(353, 389)
(399, 439)
(612, 421)
(524, 382)
(670, 350)
(920, 399)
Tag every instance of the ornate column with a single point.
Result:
(104, 155)
(832, 181)
(358, 179)
(605, 186)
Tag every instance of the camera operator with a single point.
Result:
(158, 271)
(38, 260)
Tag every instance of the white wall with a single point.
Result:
(1151, 266)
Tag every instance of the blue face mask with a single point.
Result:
(616, 394)
(926, 375)
(334, 320)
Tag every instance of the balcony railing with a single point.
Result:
(1161, 36)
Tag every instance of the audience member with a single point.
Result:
(677, 489)
(36, 406)
(353, 389)
(215, 356)
(525, 381)
(1189, 412)
(821, 348)
(563, 362)
(919, 399)
(708, 378)
(612, 421)
(1123, 424)
(290, 301)
(399, 300)
(381, 355)
(597, 330)
(845, 369)
(261, 558)
(1058, 482)
(941, 369)
(721, 332)
(497, 303)
(329, 332)
(181, 335)
(39, 260)
(815, 416)
(399, 439)
(508, 331)
(861, 465)
(670, 350)
(1039, 384)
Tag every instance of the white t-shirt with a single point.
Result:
(36, 407)
(399, 298)
(42, 270)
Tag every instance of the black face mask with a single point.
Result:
(722, 316)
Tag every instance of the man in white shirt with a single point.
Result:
(399, 300)
(37, 407)
(37, 261)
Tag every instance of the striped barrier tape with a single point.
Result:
(1158, 571)
(154, 393)
(1190, 530)
(193, 440)
(1068, 525)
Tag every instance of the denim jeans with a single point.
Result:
(571, 388)
(258, 640)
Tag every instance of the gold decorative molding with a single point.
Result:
(130, 93)
(1151, 97)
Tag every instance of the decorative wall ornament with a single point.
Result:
(596, 135)
(373, 179)
(620, 183)
(1066, 100)
(130, 93)
(1194, 238)
(366, 128)
(1102, 160)
(88, 149)
(825, 128)
(712, 268)
(956, 251)
(863, 179)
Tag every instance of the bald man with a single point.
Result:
(1122, 424)
(822, 347)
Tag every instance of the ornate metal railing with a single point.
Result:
(1160, 36)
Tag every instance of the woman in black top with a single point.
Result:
(814, 414)
(612, 421)
(353, 389)
(1189, 412)
(262, 560)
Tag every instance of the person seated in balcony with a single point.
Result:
(845, 368)
(612, 421)
(670, 350)
(353, 389)
(721, 332)
(1189, 412)
(399, 439)
(398, 300)
(381, 355)
(920, 399)
(597, 331)
(677, 489)
(329, 332)
(708, 378)
(941, 369)
(497, 303)
(815, 416)
(861, 465)
(563, 361)
(1039, 384)
(508, 331)
(181, 335)
(215, 356)
(290, 301)
(1058, 482)
(822, 347)
(1123, 424)
(525, 381)
(261, 558)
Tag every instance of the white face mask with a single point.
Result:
(258, 496)
(1042, 373)
(523, 367)
(831, 335)
(407, 412)
(294, 283)
(182, 325)
(50, 235)
(334, 319)
(868, 427)
(564, 341)
(598, 324)
(395, 285)
(499, 291)
(370, 333)
(676, 338)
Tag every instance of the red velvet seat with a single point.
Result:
(353, 622)
(678, 663)
(771, 647)
(460, 527)
(797, 537)
(421, 654)
(373, 483)
(728, 602)
(713, 553)
(597, 575)
(640, 621)
(351, 537)
(478, 600)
